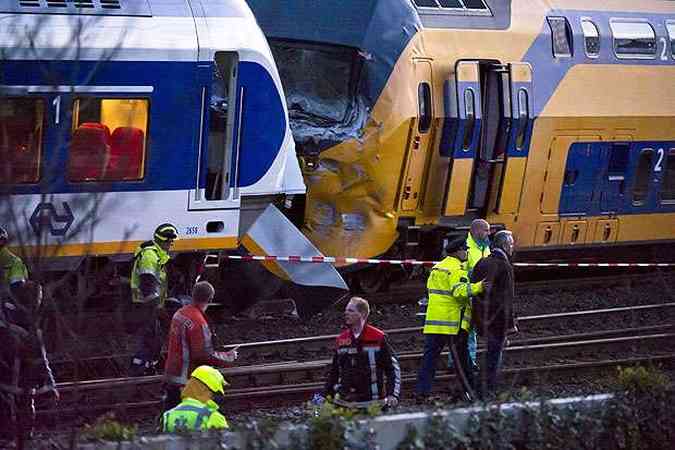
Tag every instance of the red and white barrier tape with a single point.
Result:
(414, 262)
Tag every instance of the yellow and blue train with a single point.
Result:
(553, 118)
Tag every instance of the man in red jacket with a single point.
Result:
(363, 360)
(190, 344)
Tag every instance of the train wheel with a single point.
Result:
(372, 280)
(242, 284)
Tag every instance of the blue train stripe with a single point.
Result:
(595, 184)
(173, 125)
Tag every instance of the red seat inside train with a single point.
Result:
(96, 154)
(126, 154)
(89, 150)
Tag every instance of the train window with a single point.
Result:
(523, 118)
(619, 154)
(428, 3)
(470, 112)
(22, 124)
(671, 35)
(561, 36)
(221, 124)
(668, 190)
(642, 176)
(425, 114)
(109, 139)
(633, 39)
(449, 3)
(474, 5)
(591, 38)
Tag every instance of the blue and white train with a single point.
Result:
(119, 115)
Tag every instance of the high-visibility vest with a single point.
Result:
(193, 415)
(12, 270)
(475, 252)
(449, 289)
(149, 259)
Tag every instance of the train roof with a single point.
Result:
(125, 30)
(381, 29)
(130, 8)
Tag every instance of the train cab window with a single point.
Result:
(561, 36)
(221, 124)
(642, 176)
(668, 189)
(321, 85)
(670, 26)
(22, 124)
(591, 38)
(636, 40)
(109, 139)
(425, 113)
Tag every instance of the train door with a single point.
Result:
(491, 152)
(420, 138)
(217, 186)
(494, 108)
(580, 179)
(468, 113)
(515, 133)
(570, 176)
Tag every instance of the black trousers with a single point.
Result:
(171, 397)
(148, 340)
(433, 346)
(17, 418)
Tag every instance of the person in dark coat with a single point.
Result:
(494, 316)
(24, 367)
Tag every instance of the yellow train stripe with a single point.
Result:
(124, 247)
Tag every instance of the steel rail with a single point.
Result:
(247, 371)
(324, 341)
(247, 398)
(330, 337)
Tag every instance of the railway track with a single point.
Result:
(274, 385)
(115, 365)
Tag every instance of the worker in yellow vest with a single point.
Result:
(149, 291)
(478, 247)
(448, 318)
(13, 271)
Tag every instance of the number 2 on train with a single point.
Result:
(659, 162)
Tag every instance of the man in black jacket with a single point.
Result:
(493, 311)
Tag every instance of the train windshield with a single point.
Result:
(317, 80)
